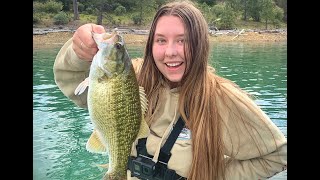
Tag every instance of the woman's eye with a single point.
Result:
(118, 45)
(181, 41)
(161, 41)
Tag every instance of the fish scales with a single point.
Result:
(120, 118)
(116, 104)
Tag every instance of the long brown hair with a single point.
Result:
(198, 91)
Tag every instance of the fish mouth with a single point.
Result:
(107, 36)
(113, 38)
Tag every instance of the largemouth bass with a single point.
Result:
(116, 104)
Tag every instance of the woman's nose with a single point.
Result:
(171, 50)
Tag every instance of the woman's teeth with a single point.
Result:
(173, 64)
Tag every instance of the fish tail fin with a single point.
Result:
(115, 175)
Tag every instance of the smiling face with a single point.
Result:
(168, 48)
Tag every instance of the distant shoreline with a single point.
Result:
(43, 37)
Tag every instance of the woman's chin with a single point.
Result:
(174, 82)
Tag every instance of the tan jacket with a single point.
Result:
(69, 71)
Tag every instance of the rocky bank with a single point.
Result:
(43, 37)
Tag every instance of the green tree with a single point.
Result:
(245, 9)
(61, 18)
(128, 4)
(240, 6)
(144, 9)
(75, 10)
(279, 14)
(270, 12)
(226, 16)
(208, 2)
(101, 7)
(66, 4)
(207, 12)
(120, 10)
(254, 9)
(283, 5)
(50, 6)
(159, 3)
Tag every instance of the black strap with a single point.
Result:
(141, 147)
(162, 170)
(165, 153)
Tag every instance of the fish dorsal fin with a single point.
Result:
(144, 128)
(95, 145)
(82, 87)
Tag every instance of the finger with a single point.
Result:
(98, 29)
(82, 54)
(89, 51)
(85, 35)
(82, 44)
(82, 51)
(89, 39)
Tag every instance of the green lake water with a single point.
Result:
(60, 129)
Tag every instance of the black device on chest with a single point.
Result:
(144, 168)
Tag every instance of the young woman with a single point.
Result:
(227, 136)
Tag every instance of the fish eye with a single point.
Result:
(118, 45)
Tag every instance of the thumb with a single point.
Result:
(98, 29)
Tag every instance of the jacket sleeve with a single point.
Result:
(69, 71)
(255, 146)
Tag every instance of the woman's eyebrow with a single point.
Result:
(158, 34)
(161, 35)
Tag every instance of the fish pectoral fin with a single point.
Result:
(95, 145)
(143, 100)
(82, 87)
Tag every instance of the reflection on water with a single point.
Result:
(261, 70)
(60, 129)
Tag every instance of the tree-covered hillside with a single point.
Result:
(220, 14)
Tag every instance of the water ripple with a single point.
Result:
(61, 129)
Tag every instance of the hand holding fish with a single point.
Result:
(83, 44)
